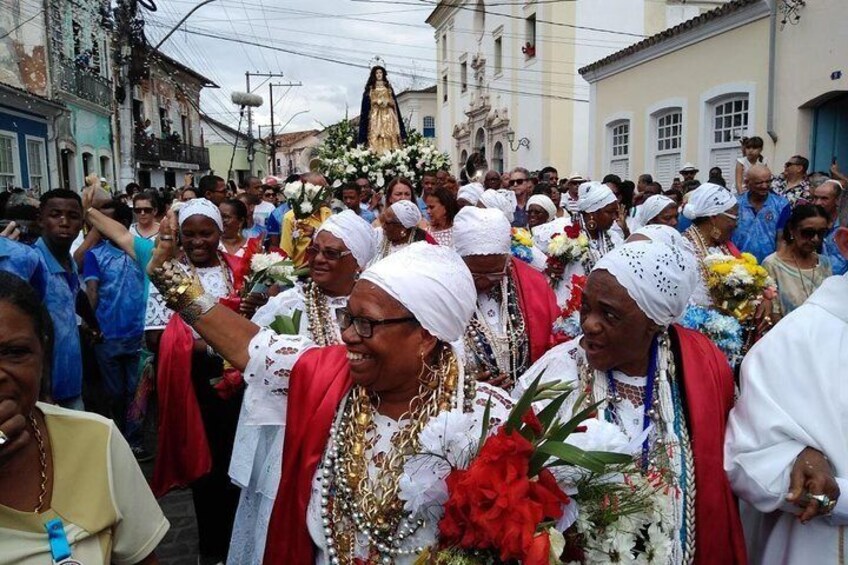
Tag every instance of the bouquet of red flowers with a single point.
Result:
(565, 247)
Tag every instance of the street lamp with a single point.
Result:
(179, 23)
(523, 142)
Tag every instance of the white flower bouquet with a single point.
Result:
(271, 268)
(304, 198)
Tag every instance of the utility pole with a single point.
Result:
(273, 140)
(250, 149)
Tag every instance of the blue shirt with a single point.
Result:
(120, 311)
(61, 301)
(274, 223)
(366, 214)
(520, 218)
(756, 232)
(255, 231)
(24, 262)
(143, 254)
(423, 207)
(837, 261)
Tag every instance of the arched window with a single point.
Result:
(498, 157)
(480, 141)
(463, 158)
(87, 164)
(429, 126)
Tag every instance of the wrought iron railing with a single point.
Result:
(155, 149)
(74, 80)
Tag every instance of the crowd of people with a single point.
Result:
(413, 301)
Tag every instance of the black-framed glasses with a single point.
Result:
(143, 210)
(328, 253)
(364, 327)
(810, 233)
(516, 182)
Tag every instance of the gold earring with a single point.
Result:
(591, 224)
(715, 233)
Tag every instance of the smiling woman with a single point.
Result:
(71, 471)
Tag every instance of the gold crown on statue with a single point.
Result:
(377, 61)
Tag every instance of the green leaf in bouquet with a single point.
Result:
(523, 405)
(610, 458)
(549, 412)
(484, 432)
(287, 325)
(562, 431)
(567, 454)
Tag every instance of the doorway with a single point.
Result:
(830, 134)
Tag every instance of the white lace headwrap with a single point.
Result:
(481, 231)
(651, 208)
(664, 234)
(501, 199)
(471, 193)
(592, 196)
(433, 283)
(407, 213)
(545, 203)
(658, 277)
(708, 200)
(357, 234)
(200, 207)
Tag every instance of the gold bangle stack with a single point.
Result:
(179, 288)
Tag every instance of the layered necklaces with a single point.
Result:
(355, 504)
(702, 249)
(386, 247)
(321, 327)
(671, 451)
(597, 247)
(506, 352)
(225, 273)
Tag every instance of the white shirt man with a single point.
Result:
(786, 450)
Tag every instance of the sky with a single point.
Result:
(350, 31)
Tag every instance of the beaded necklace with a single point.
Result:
(597, 247)
(321, 327)
(386, 247)
(507, 353)
(224, 271)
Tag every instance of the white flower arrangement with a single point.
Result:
(270, 268)
(304, 198)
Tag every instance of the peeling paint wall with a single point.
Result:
(23, 54)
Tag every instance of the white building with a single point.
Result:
(507, 73)
(418, 109)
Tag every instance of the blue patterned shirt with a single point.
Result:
(837, 261)
(756, 232)
(120, 308)
(60, 300)
(24, 262)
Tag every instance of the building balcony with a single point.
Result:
(90, 87)
(168, 153)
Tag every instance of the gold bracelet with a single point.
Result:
(178, 288)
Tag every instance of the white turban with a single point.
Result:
(433, 283)
(545, 203)
(501, 199)
(658, 277)
(200, 207)
(407, 213)
(357, 234)
(708, 200)
(664, 234)
(470, 193)
(481, 231)
(651, 208)
(592, 196)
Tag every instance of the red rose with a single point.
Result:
(540, 550)
(572, 231)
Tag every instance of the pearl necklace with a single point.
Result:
(321, 327)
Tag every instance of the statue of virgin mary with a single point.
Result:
(381, 128)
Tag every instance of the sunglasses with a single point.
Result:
(328, 253)
(364, 327)
(810, 233)
(790, 164)
(515, 182)
(143, 210)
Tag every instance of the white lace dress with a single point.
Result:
(272, 357)
(257, 453)
(158, 314)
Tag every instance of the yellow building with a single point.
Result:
(772, 68)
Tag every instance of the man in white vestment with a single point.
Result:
(786, 450)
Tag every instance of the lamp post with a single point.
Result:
(522, 142)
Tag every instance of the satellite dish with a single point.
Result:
(476, 167)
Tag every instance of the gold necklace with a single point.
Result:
(42, 459)
(321, 328)
(225, 272)
(807, 293)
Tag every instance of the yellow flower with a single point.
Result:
(721, 269)
(748, 258)
(522, 236)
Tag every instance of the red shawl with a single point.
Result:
(708, 390)
(318, 382)
(538, 303)
(182, 453)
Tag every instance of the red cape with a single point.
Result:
(708, 391)
(318, 382)
(538, 303)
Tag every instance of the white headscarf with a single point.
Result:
(470, 193)
(664, 234)
(651, 208)
(407, 213)
(200, 207)
(481, 231)
(658, 277)
(357, 234)
(501, 199)
(592, 196)
(545, 203)
(433, 283)
(708, 200)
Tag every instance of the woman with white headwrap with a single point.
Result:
(399, 227)
(340, 250)
(598, 209)
(656, 209)
(668, 390)
(515, 307)
(352, 406)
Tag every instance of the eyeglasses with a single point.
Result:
(269, 195)
(515, 182)
(328, 253)
(810, 233)
(364, 327)
(143, 210)
(733, 217)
